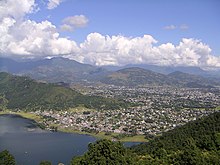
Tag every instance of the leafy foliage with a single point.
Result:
(45, 162)
(6, 158)
(105, 152)
(196, 142)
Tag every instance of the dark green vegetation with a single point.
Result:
(26, 94)
(105, 152)
(195, 143)
(45, 162)
(6, 158)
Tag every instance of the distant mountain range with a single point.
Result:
(138, 76)
(170, 69)
(63, 70)
(52, 70)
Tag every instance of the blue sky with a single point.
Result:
(136, 18)
(114, 32)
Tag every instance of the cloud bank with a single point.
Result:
(73, 22)
(27, 38)
(24, 38)
(119, 50)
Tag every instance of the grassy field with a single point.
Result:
(102, 135)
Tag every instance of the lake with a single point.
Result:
(29, 144)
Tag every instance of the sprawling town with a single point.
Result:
(153, 110)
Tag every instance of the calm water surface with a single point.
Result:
(29, 144)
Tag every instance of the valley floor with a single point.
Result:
(54, 127)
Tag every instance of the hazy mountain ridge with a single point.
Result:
(69, 71)
(52, 70)
(169, 69)
(139, 76)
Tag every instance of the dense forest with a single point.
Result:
(196, 143)
(26, 94)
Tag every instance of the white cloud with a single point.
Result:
(30, 39)
(73, 22)
(53, 4)
(16, 9)
(170, 27)
(66, 27)
(119, 50)
(173, 27)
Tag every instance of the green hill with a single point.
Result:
(137, 76)
(25, 93)
(196, 143)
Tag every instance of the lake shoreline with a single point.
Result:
(38, 120)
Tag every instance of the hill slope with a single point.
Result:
(191, 80)
(197, 142)
(52, 70)
(137, 76)
(25, 93)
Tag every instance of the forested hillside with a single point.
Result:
(195, 143)
(24, 93)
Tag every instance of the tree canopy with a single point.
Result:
(6, 158)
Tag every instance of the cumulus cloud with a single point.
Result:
(28, 38)
(119, 50)
(66, 27)
(73, 22)
(16, 9)
(53, 4)
(41, 39)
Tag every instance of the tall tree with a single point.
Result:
(6, 158)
